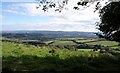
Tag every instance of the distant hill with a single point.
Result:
(41, 35)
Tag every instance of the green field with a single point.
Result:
(27, 57)
(106, 43)
(85, 40)
(20, 57)
(58, 42)
(111, 44)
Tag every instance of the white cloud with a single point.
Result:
(18, 0)
(13, 11)
(68, 20)
(54, 26)
(1, 18)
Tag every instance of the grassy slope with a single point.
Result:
(19, 57)
(106, 43)
(57, 42)
(11, 49)
(85, 40)
(112, 44)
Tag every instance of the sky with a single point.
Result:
(24, 16)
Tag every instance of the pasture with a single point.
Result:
(21, 57)
(59, 42)
(26, 57)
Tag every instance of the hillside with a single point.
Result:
(40, 35)
(45, 52)
(20, 57)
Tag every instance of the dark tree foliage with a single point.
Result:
(59, 5)
(109, 25)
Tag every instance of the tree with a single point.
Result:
(109, 25)
(59, 5)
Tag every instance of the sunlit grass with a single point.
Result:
(21, 57)
(63, 43)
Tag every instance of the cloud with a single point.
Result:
(54, 26)
(23, 8)
(18, 0)
(13, 11)
(67, 20)
(1, 17)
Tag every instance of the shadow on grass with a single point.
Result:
(53, 64)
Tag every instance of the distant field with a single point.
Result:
(85, 49)
(58, 42)
(105, 43)
(69, 41)
(86, 40)
(111, 44)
